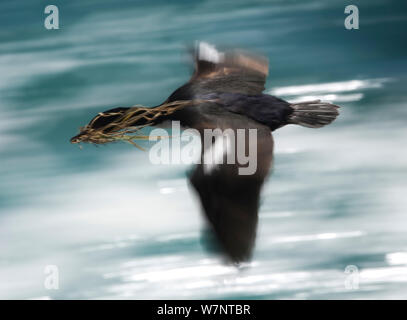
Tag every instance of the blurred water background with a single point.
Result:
(117, 226)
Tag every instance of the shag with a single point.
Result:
(225, 92)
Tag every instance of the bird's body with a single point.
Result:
(226, 92)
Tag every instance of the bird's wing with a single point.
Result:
(229, 71)
(229, 197)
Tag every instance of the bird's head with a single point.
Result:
(76, 139)
(124, 123)
(98, 129)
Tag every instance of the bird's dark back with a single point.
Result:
(263, 108)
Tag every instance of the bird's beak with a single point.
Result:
(75, 139)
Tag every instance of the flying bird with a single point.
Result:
(224, 92)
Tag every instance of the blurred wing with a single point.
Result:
(230, 71)
(230, 200)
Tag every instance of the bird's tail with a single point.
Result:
(313, 114)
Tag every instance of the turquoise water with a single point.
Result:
(117, 226)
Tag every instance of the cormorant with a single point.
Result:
(225, 92)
